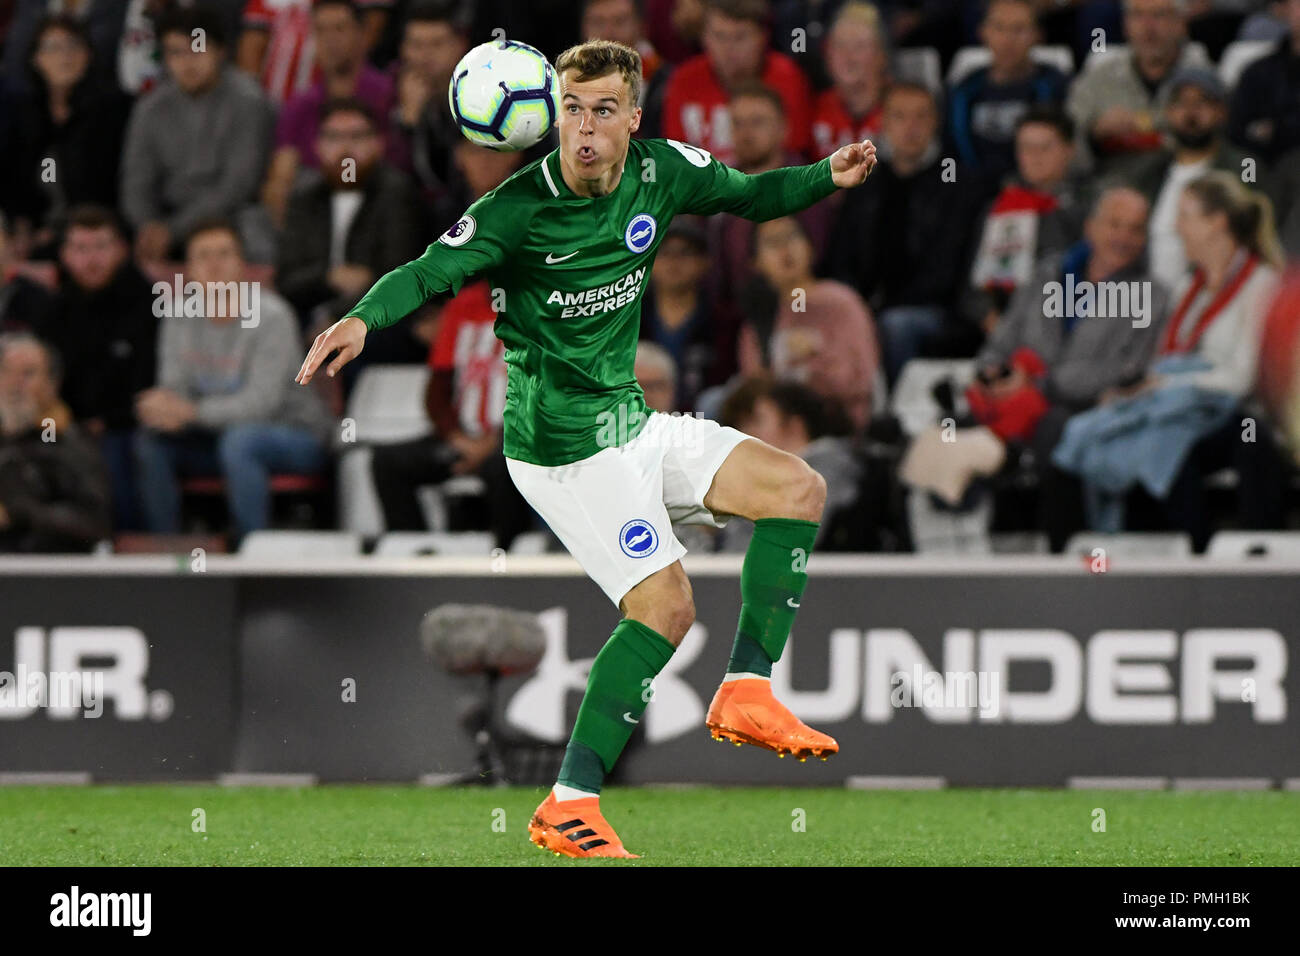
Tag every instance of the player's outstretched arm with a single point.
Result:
(714, 187)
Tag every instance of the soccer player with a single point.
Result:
(568, 242)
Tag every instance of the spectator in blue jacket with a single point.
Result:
(984, 108)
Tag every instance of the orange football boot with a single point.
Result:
(745, 712)
(575, 828)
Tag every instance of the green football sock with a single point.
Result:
(616, 697)
(772, 580)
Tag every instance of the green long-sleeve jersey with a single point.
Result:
(567, 275)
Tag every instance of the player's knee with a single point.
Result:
(808, 493)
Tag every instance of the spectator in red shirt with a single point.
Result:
(735, 52)
(858, 63)
(465, 399)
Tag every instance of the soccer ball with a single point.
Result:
(504, 95)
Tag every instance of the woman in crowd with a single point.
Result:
(1145, 435)
(817, 332)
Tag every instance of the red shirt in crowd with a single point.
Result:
(467, 347)
(695, 105)
(833, 127)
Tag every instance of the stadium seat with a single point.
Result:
(937, 530)
(1254, 544)
(1240, 54)
(297, 545)
(913, 404)
(387, 404)
(410, 544)
(1132, 544)
(971, 58)
(919, 65)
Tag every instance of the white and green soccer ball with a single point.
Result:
(504, 95)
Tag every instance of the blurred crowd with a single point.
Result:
(1061, 302)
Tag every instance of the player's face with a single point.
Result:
(597, 119)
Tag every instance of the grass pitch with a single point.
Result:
(413, 826)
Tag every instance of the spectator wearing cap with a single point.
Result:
(736, 51)
(857, 61)
(339, 39)
(1114, 103)
(196, 146)
(1195, 119)
(758, 127)
(54, 496)
(983, 108)
(919, 225)
(1265, 114)
(678, 313)
(351, 220)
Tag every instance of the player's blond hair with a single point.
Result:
(597, 58)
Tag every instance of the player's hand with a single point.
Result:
(852, 164)
(346, 337)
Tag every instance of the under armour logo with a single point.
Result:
(539, 705)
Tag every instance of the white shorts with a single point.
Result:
(615, 510)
